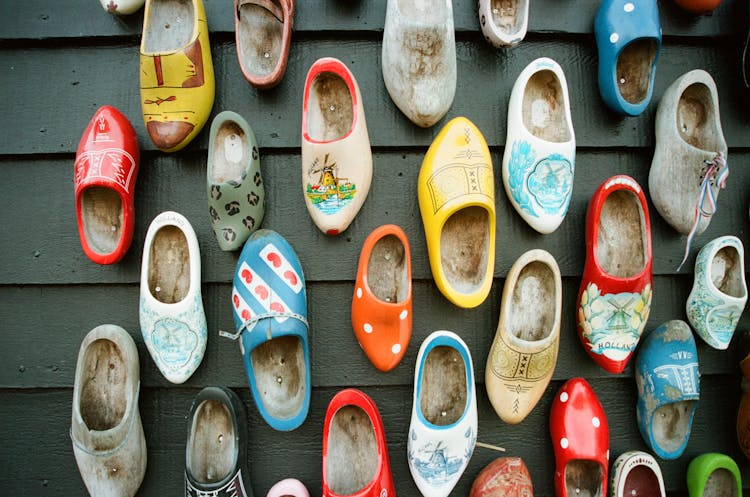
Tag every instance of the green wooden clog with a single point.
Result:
(713, 474)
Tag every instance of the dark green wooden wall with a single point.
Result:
(61, 60)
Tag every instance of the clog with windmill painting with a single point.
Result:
(336, 155)
(176, 71)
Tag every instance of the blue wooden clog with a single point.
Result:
(667, 377)
(628, 35)
(270, 313)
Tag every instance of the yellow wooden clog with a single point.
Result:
(456, 192)
(177, 74)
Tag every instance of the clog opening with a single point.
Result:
(641, 481)
(330, 108)
(212, 443)
(583, 478)
(544, 108)
(425, 11)
(102, 215)
(720, 483)
(726, 274)
(169, 265)
(508, 15)
(464, 248)
(352, 458)
(260, 33)
(621, 248)
(532, 310)
(386, 270)
(279, 366)
(169, 26)
(443, 391)
(671, 425)
(103, 399)
(634, 68)
(230, 154)
(697, 118)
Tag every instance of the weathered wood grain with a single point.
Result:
(41, 19)
(49, 250)
(275, 115)
(275, 455)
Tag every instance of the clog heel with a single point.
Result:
(456, 193)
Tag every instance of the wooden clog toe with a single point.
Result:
(289, 487)
(503, 477)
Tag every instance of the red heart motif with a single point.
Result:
(245, 314)
(289, 275)
(236, 300)
(274, 259)
(247, 276)
(277, 307)
(261, 292)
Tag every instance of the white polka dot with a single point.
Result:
(564, 443)
(614, 37)
(368, 328)
(396, 348)
(403, 314)
(564, 397)
(629, 7)
(595, 421)
(607, 454)
(359, 293)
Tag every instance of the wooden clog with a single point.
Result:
(504, 22)
(712, 475)
(106, 170)
(382, 302)
(456, 191)
(698, 7)
(636, 473)
(122, 7)
(289, 487)
(176, 71)
(503, 477)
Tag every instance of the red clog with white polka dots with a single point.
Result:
(580, 437)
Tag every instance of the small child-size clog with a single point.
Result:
(355, 453)
(636, 473)
(580, 437)
(419, 58)
(668, 381)
(173, 322)
(269, 306)
(106, 429)
(503, 477)
(381, 304)
(524, 353)
(122, 7)
(336, 155)
(614, 300)
(713, 474)
(628, 37)
(443, 427)
(236, 195)
(263, 34)
(504, 22)
(689, 167)
(539, 157)
(216, 449)
(106, 169)
(176, 71)
(719, 292)
(743, 413)
(289, 487)
(456, 190)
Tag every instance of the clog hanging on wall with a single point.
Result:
(106, 170)
(698, 7)
(713, 474)
(614, 300)
(336, 155)
(382, 300)
(503, 477)
(504, 22)
(636, 473)
(236, 195)
(176, 71)
(540, 149)
(456, 190)
(628, 37)
(122, 7)
(289, 487)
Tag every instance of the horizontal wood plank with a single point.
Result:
(50, 251)
(40, 19)
(275, 115)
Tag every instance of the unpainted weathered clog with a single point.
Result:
(636, 473)
(504, 22)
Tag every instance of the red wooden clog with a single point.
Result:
(355, 455)
(106, 168)
(381, 305)
(580, 437)
(615, 295)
